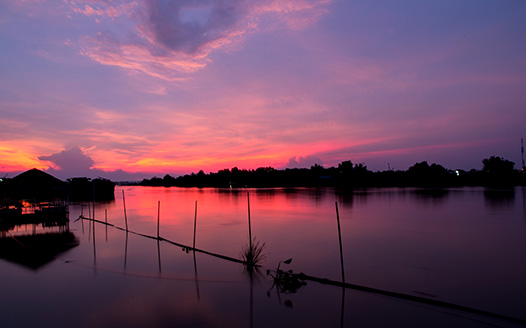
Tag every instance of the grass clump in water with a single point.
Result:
(252, 254)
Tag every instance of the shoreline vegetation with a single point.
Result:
(496, 172)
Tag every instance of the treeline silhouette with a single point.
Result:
(496, 172)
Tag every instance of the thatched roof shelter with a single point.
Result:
(36, 184)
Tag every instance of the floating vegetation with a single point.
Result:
(286, 281)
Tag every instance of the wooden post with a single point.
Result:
(158, 216)
(106, 221)
(340, 239)
(124, 205)
(93, 183)
(249, 227)
(195, 224)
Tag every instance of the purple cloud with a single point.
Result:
(192, 27)
(166, 39)
(70, 160)
(301, 162)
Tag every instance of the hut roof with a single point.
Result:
(36, 185)
(36, 178)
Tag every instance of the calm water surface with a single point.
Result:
(463, 246)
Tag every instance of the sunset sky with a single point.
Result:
(128, 89)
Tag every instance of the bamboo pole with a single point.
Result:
(340, 239)
(195, 224)
(158, 216)
(106, 221)
(124, 205)
(408, 297)
(249, 227)
(224, 257)
(93, 183)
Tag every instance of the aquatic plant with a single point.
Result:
(252, 254)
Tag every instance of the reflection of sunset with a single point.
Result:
(384, 230)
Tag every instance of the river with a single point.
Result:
(464, 246)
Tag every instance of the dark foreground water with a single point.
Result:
(461, 246)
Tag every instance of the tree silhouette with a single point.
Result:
(423, 174)
(498, 171)
(497, 165)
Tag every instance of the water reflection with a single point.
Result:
(387, 236)
(126, 251)
(196, 278)
(499, 198)
(36, 251)
(94, 245)
(159, 254)
(346, 196)
(432, 196)
(35, 234)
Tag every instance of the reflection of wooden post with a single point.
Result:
(159, 254)
(124, 205)
(94, 247)
(195, 224)
(249, 227)
(158, 216)
(340, 238)
(126, 250)
(82, 216)
(196, 280)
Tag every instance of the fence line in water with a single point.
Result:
(185, 247)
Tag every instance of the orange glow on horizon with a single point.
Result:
(16, 157)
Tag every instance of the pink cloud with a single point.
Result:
(103, 8)
(138, 58)
(295, 14)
